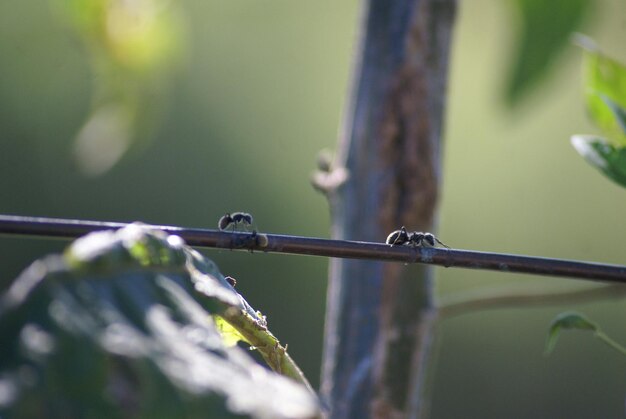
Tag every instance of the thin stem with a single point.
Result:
(604, 338)
(64, 228)
(512, 296)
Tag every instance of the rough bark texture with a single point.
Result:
(379, 316)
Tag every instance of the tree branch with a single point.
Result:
(64, 228)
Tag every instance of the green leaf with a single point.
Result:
(119, 326)
(567, 320)
(605, 92)
(618, 112)
(544, 30)
(230, 335)
(573, 320)
(606, 157)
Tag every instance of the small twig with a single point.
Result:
(510, 297)
(62, 228)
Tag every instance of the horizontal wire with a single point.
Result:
(275, 243)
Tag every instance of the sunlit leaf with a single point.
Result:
(604, 156)
(618, 112)
(567, 320)
(230, 335)
(544, 30)
(605, 92)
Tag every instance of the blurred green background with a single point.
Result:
(253, 91)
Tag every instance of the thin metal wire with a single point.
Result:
(275, 243)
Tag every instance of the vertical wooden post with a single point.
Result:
(379, 315)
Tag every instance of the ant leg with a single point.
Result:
(442, 243)
(253, 240)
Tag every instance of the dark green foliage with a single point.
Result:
(604, 156)
(544, 30)
(121, 327)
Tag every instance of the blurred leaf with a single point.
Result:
(85, 16)
(120, 326)
(545, 28)
(618, 112)
(605, 91)
(103, 140)
(604, 156)
(139, 36)
(567, 320)
(132, 46)
(573, 320)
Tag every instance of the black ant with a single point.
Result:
(416, 238)
(254, 239)
(234, 219)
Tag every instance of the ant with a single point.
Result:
(416, 238)
(234, 219)
(254, 239)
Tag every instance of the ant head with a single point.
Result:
(429, 239)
